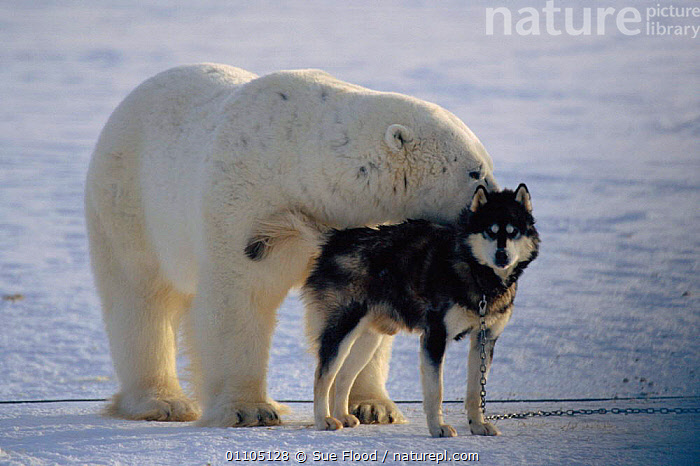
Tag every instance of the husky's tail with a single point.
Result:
(283, 228)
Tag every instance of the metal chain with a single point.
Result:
(482, 352)
(575, 412)
(558, 412)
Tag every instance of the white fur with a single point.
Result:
(185, 168)
(397, 136)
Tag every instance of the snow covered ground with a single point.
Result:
(605, 130)
(63, 434)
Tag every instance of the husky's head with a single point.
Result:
(499, 229)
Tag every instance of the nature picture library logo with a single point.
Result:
(552, 19)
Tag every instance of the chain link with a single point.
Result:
(578, 412)
(482, 352)
(558, 412)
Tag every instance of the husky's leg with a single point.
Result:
(369, 400)
(360, 354)
(477, 423)
(433, 343)
(333, 351)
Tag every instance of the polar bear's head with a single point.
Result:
(395, 157)
(352, 156)
(441, 159)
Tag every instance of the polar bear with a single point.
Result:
(187, 166)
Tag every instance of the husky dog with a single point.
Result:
(417, 276)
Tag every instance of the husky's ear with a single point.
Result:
(397, 136)
(464, 217)
(522, 195)
(479, 199)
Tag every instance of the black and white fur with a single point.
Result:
(417, 276)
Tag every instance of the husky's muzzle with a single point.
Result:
(501, 258)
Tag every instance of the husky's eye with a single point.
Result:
(491, 231)
(512, 231)
(475, 175)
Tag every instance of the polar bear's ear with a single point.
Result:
(397, 136)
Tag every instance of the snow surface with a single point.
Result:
(605, 130)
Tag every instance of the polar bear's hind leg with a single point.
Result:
(141, 314)
(369, 400)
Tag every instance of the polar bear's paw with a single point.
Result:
(175, 408)
(377, 411)
(242, 414)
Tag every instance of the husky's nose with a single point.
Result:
(501, 258)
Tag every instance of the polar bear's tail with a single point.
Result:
(281, 228)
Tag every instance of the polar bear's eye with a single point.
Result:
(475, 174)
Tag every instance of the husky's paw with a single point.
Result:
(349, 420)
(176, 408)
(485, 428)
(444, 430)
(329, 423)
(241, 414)
(379, 411)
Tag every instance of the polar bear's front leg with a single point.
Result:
(369, 400)
(232, 331)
